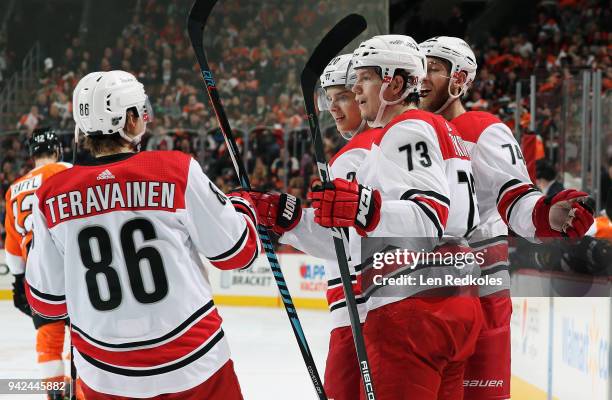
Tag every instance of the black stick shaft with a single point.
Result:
(345, 275)
(73, 375)
(334, 41)
(196, 22)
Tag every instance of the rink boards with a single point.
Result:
(559, 345)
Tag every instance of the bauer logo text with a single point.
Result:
(483, 383)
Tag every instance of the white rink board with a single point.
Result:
(305, 277)
(574, 332)
(581, 348)
(6, 279)
(529, 330)
(256, 281)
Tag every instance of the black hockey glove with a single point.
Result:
(19, 297)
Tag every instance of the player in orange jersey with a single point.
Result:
(46, 151)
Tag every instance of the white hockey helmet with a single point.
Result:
(335, 72)
(335, 75)
(460, 56)
(100, 102)
(390, 53)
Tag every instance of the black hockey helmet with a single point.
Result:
(44, 140)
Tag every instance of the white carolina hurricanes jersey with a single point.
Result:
(506, 195)
(316, 240)
(419, 164)
(116, 248)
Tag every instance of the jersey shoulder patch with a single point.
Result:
(472, 123)
(363, 140)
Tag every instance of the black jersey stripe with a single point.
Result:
(432, 216)
(505, 186)
(234, 249)
(45, 296)
(409, 193)
(359, 300)
(515, 202)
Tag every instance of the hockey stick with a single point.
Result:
(195, 25)
(339, 37)
(73, 375)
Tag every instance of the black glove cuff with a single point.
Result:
(289, 211)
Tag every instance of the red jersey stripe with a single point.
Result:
(508, 199)
(337, 293)
(441, 210)
(46, 309)
(245, 253)
(171, 351)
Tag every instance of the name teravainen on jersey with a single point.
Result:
(117, 195)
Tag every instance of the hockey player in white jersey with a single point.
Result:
(417, 345)
(117, 249)
(507, 198)
(342, 377)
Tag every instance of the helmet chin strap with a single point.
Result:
(451, 97)
(76, 143)
(350, 134)
(377, 123)
(133, 141)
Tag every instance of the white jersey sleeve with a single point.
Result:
(502, 180)
(16, 264)
(310, 237)
(226, 237)
(407, 166)
(506, 174)
(45, 271)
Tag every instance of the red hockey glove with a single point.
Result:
(280, 212)
(343, 203)
(243, 203)
(565, 214)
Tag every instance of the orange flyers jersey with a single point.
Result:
(18, 223)
(601, 228)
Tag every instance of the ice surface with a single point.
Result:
(268, 362)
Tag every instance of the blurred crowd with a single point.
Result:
(565, 37)
(257, 51)
(5, 62)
